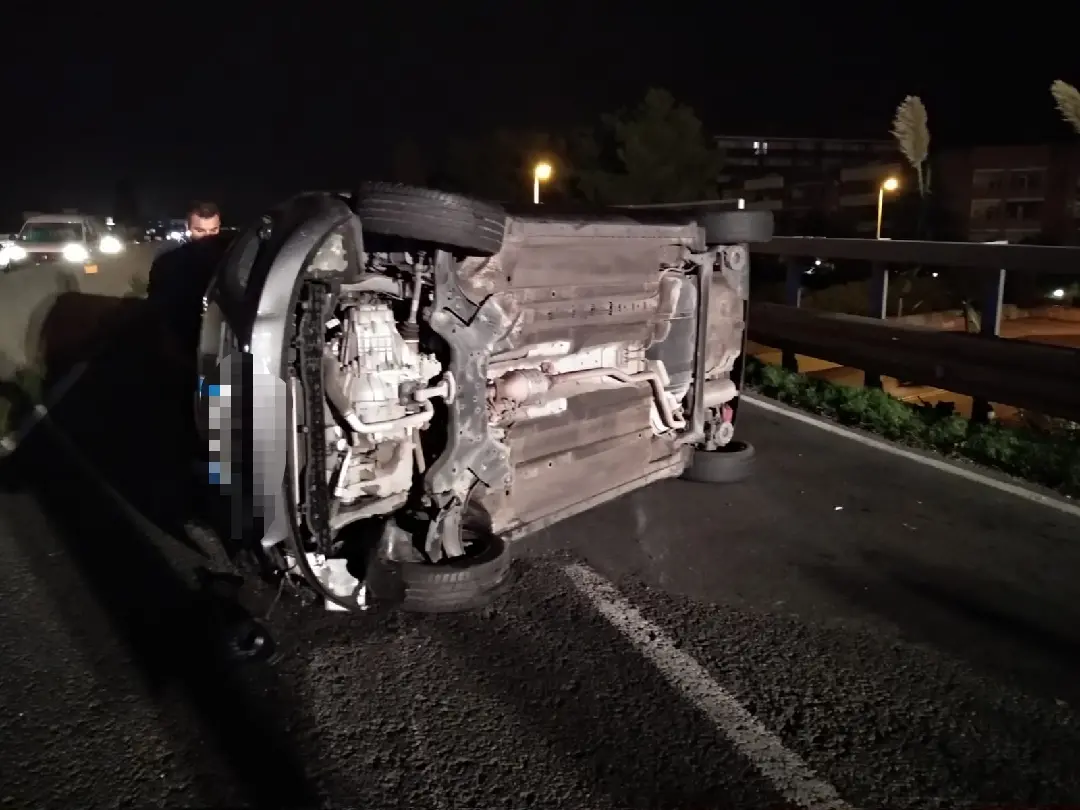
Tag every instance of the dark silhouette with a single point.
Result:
(178, 281)
(115, 441)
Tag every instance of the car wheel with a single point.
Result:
(728, 465)
(426, 215)
(451, 586)
(737, 227)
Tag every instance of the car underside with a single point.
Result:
(419, 378)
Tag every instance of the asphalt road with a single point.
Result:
(901, 638)
(29, 294)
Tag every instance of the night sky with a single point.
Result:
(245, 104)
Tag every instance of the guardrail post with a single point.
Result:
(989, 326)
(792, 298)
(877, 306)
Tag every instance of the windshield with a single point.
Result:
(51, 232)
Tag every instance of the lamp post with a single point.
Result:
(890, 184)
(541, 174)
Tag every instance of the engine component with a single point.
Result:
(379, 363)
(521, 385)
(372, 381)
(526, 386)
(678, 348)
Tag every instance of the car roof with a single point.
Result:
(66, 219)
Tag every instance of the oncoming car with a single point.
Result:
(397, 383)
(65, 238)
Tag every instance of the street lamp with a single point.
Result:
(541, 174)
(890, 184)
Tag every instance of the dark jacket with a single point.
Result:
(179, 278)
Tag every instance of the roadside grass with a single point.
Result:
(1048, 455)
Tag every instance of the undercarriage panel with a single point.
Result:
(577, 286)
(589, 283)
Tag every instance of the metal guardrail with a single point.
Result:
(979, 256)
(696, 205)
(984, 366)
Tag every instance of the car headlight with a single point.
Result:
(175, 236)
(76, 253)
(12, 253)
(110, 244)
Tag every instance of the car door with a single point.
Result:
(244, 355)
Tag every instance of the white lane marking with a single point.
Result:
(789, 774)
(1032, 495)
(10, 442)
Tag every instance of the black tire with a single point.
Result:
(729, 465)
(737, 227)
(460, 584)
(427, 215)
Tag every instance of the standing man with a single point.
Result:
(179, 278)
(178, 281)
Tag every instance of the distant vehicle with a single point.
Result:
(65, 238)
(169, 230)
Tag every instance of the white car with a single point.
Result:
(65, 238)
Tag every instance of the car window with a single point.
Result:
(51, 232)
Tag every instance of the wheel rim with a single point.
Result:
(480, 547)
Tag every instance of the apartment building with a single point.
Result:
(1004, 192)
(760, 154)
(1015, 192)
(796, 176)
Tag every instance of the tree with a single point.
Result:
(912, 133)
(661, 155)
(923, 215)
(1068, 102)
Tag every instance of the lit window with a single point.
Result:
(761, 147)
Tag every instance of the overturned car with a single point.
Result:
(396, 383)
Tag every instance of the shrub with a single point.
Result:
(1049, 456)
